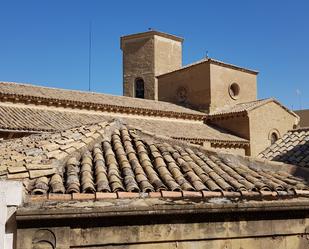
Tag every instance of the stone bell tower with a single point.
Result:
(145, 56)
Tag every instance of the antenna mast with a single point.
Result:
(89, 58)
(298, 93)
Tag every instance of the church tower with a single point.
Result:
(145, 56)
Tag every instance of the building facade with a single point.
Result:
(209, 103)
(209, 86)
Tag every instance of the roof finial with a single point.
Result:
(207, 57)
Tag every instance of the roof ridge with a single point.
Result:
(255, 101)
(306, 128)
(215, 61)
(75, 90)
(228, 110)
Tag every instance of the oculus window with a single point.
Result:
(234, 90)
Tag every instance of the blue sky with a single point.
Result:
(46, 42)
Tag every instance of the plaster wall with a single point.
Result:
(221, 77)
(10, 198)
(265, 119)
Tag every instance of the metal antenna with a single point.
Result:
(89, 58)
(298, 93)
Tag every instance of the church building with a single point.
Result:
(182, 160)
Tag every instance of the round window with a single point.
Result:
(182, 94)
(234, 90)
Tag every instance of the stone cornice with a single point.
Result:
(40, 210)
(98, 107)
(200, 141)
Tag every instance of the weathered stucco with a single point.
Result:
(172, 227)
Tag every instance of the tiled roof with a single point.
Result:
(33, 119)
(183, 130)
(231, 110)
(113, 157)
(28, 118)
(292, 148)
(27, 93)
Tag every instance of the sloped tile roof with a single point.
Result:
(27, 93)
(27, 118)
(113, 157)
(243, 108)
(292, 148)
(33, 119)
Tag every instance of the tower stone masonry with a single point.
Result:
(145, 56)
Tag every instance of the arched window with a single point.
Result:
(273, 137)
(139, 88)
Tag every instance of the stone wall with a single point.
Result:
(146, 56)
(188, 87)
(283, 233)
(167, 55)
(304, 117)
(266, 119)
(138, 61)
(222, 77)
(238, 125)
(206, 85)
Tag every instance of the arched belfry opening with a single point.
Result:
(147, 55)
(139, 88)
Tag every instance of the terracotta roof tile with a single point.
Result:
(239, 107)
(292, 148)
(29, 119)
(243, 107)
(124, 159)
(55, 96)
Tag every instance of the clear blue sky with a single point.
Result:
(46, 42)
